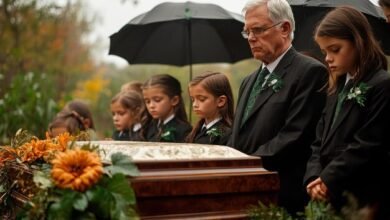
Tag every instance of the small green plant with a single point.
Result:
(27, 104)
(315, 210)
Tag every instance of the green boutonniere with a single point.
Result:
(168, 134)
(358, 93)
(214, 132)
(274, 81)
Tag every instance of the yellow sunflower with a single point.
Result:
(76, 169)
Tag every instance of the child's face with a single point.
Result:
(159, 104)
(205, 105)
(121, 116)
(340, 55)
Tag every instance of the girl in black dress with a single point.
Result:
(212, 102)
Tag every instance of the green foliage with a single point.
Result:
(27, 104)
(111, 198)
(121, 164)
(313, 211)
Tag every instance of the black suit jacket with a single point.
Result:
(121, 136)
(223, 131)
(353, 154)
(178, 129)
(281, 126)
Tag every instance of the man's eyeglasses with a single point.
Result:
(257, 31)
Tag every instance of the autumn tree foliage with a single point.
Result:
(43, 54)
(36, 36)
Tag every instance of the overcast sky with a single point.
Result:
(113, 14)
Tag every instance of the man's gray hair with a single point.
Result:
(278, 10)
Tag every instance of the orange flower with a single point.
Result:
(7, 153)
(76, 169)
(43, 149)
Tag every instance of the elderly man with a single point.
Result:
(385, 5)
(280, 103)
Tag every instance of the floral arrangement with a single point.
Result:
(273, 81)
(214, 132)
(63, 180)
(168, 134)
(358, 93)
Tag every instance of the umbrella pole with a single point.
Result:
(189, 55)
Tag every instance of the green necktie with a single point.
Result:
(255, 91)
(340, 99)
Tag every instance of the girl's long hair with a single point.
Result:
(171, 87)
(349, 24)
(216, 84)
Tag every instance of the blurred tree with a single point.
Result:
(43, 53)
(43, 37)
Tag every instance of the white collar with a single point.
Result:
(167, 119)
(213, 122)
(349, 77)
(272, 66)
(136, 127)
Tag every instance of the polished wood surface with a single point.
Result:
(202, 189)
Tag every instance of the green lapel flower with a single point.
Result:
(168, 134)
(214, 132)
(358, 93)
(274, 81)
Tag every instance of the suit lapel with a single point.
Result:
(329, 115)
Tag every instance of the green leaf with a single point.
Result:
(81, 202)
(64, 207)
(120, 185)
(121, 164)
(42, 180)
(100, 201)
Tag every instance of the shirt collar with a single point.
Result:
(349, 77)
(272, 66)
(210, 124)
(167, 119)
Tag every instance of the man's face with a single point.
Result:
(265, 37)
(386, 11)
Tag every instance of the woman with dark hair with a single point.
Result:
(352, 145)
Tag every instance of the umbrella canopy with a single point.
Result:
(308, 13)
(182, 34)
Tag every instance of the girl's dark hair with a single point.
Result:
(216, 84)
(349, 24)
(384, 3)
(82, 109)
(71, 120)
(133, 101)
(171, 87)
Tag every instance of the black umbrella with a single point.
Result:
(308, 13)
(182, 34)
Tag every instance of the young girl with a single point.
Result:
(67, 121)
(351, 150)
(127, 109)
(162, 95)
(82, 109)
(212, 102)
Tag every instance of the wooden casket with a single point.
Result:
(191, 181)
